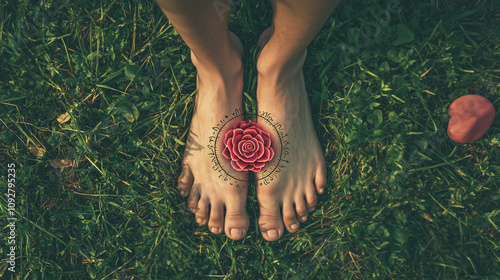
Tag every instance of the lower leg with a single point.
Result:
(281, 81)
(204, 28)
(295, 23)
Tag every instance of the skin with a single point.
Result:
(216, 54)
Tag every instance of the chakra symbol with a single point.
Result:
(248, 147)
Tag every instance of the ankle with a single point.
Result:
(278, 70)
(225, 66)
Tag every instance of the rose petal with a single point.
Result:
(259, 164)
(251, 123)
(252, 153)
(240, 147)
(236, 154)
(272, 154)
(238, 124)
(237, 131)
(247, 137)
(258, 129)
(265, 157)
(257, 155)
(228, 135)
(250, 131)
(266, 135)
(249, 146)
(235, 166)
(259, 138)
(255, 169)
(261, 150)
(236, 139)
(230, 147)
(226, 153)
(245, 125)
(241, 164)
(267, 142)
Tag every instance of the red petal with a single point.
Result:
(240, 148)
(258, 129)
(230, 148)
(255, 169)
(236, 139)
(249, 154)
(226, 153)
(245, 125)
(265, 156)
(252, 153)
(250, 131)
(257, 155)
(238, 124)
(236, 154)
(253, 124)
(267, 139)
(259, 138)
(237, 131)
(235, 166)
(249, 146)
(259, 164)
(272, 154)
(261, 150)
(229, 134)
(247, 137)
(266, 135)
(242, 165)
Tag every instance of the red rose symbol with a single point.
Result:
(248, 147)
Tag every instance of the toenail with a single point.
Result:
(294, 226)
(199, 220)
(215, 230)
(236, 232)
(182, 193)
(303, 219)
(321, 190)
(272, 233)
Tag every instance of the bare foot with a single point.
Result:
(214, 201)
(294, 189)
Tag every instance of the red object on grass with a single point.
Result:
(471, 116)
(248, 147)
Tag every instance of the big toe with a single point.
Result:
(270, 221)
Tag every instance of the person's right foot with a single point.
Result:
(219, 94)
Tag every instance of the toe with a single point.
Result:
(289, 217)
(311, 198)
(270, 221)
(192, 201)
(301, 209)
(320, 179)
(201, 213)
(236, 223)
(216, 222)
(185, 180)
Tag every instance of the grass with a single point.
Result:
(403, 201)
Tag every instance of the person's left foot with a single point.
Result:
(295, 188)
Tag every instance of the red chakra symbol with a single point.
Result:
(248, 147)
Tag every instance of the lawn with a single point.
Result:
(95, 104)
